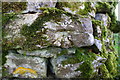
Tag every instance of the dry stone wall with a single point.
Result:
(60, 40)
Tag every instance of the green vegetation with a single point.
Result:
(74, 6)
(13, 7)
(117, 47)
(6, 17)
(29, 32)
(109, 8)
(85, 56)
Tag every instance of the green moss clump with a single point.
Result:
(111, 64)
(87, 69)
(103, 7)
(63, 52)
(85, 56)
(96, 22)
(53, 10)
(81, 55)
(74, 6)
(6, 17)
(115, 26)
(104, 72)
(109, 8)
(86, 10)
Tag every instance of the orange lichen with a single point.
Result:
(22, 71)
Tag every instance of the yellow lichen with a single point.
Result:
(22, 71)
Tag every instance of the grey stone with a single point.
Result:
(65, 33)
(74, 32)
(80, 6)
(98, 62)
(36, 66)
(70, 70)
(47, 53)
(65, 71)
(34, 6)
(13, 29)
(83, 39)
(103, 17)
(98, 44)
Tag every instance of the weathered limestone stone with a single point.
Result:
(98, 44)
(33, 6)
(81, 8)
(33, 64)
(48, 52)
(65, 33)
(103, 17)
(72, 70)
(98, 62)
(13, 29)
(61, 41)
(65, 71)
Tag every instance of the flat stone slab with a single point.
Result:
(25, 66)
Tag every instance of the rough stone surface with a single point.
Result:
(103, 17)
(79, 8)
(65, 71)
(48, 52)
(65, 33)
(15, 61)
(33, 6)
(98, 44)
(61, 40)
(72, 70)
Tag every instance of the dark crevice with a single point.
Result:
(50, 72)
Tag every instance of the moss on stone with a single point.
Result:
(29, 32)
(103, 7)
(75, 6)
(63, 52)
(111, 64)
(87, 70)
(104, 72)
(13, 6)
(109, 8)
(86, 10)
(6, 17)
(53, 10)
(85, 56)
(81, 54)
